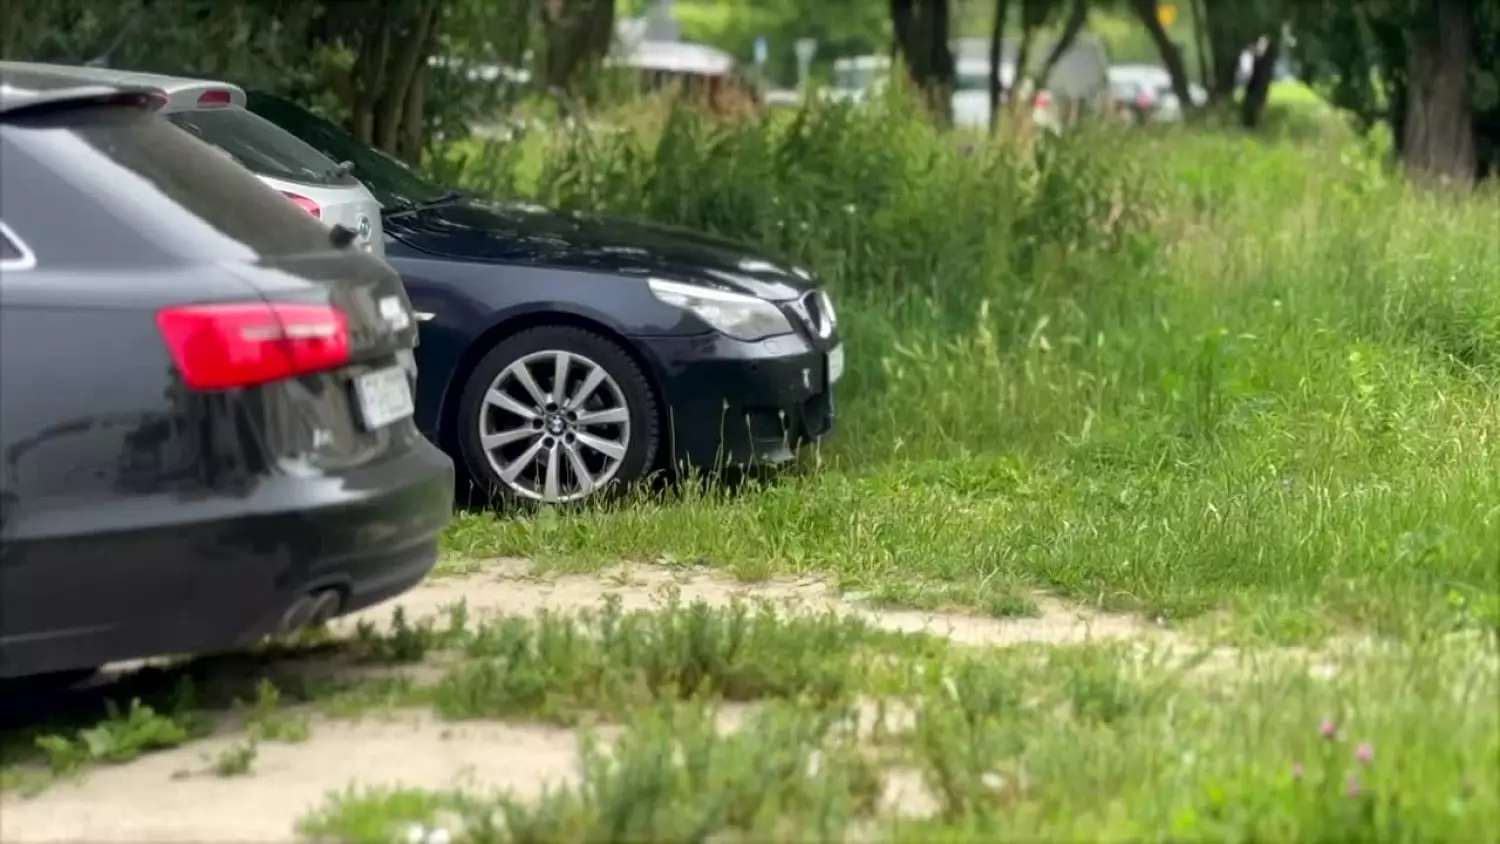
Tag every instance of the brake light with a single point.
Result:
(218, 347)
(304, 203)
(216, 97)
(1143, 100)
(1043, 99)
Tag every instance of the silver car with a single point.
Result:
(215, 113)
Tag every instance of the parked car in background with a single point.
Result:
(562, 354)
(698, 69)
(205, 397)
(1144, 93)
(215, 112)
(858, 78)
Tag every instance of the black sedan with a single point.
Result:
(563, 353)
(205, 398)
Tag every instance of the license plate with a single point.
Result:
(836, 364)
(384, 397)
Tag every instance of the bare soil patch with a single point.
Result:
(173, 796)
(509, 586)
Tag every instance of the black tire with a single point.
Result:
(644, 443)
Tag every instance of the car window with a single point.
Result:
(158, 181)
(12, 256)
(393, 183)
(260, 146)
(972, 82)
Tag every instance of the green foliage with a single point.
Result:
(1174, 373)
(1069, 743)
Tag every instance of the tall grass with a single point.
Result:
(1172, 373)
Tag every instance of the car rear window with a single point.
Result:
(155, 179)
(10, 254)
(260, 146)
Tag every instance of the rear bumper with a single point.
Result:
(198, 576)
(731, 403)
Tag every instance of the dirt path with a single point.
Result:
(173, 796)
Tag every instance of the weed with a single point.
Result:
(236, 759)
(789, 774)
(557, 666)
(1169, 375)
(120, 737)
(266, 720)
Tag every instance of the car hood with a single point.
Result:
(521, 233)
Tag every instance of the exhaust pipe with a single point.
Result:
(310, 610)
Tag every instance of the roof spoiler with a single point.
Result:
(138, 96)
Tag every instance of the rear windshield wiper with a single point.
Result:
(447, 198)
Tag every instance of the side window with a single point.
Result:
(13, 253)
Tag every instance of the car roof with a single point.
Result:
(17, 94)
(39, 76)
(677, 57)
(1136, 72)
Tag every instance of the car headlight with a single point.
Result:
(738, 315)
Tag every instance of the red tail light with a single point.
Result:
(218, 347)
(217, 97)
(1143, 100)
(304, 203)
(1043, 99)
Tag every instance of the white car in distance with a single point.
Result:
(214, 112)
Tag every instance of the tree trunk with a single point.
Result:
(368, 79)
(1253, 106)
(1023, 58)
(414, 117)
(1200, 38)
(578, 34)
(1148, 12)
(412, 54)
(997, 43)
(1078, 15)
(1438, 142)
(1226, 31)
(921, 31)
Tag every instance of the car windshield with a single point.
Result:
(259, 146)
(394, 184)
(971, 81)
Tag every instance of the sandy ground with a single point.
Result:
(172, 796)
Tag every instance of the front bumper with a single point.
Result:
(732, 403)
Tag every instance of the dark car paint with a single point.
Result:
(704, 377)
(530, 235)
(138, 517)
(485, 269)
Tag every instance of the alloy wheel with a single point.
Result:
(554, 426)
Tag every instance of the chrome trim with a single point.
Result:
(424, 316)
(25, 260)
(821, 326)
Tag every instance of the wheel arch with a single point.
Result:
(447, 421)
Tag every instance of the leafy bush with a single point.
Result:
(1173, 371)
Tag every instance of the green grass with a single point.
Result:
(1031, 743)
(1243, 386)
(1187, 375)
(1075, 743)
